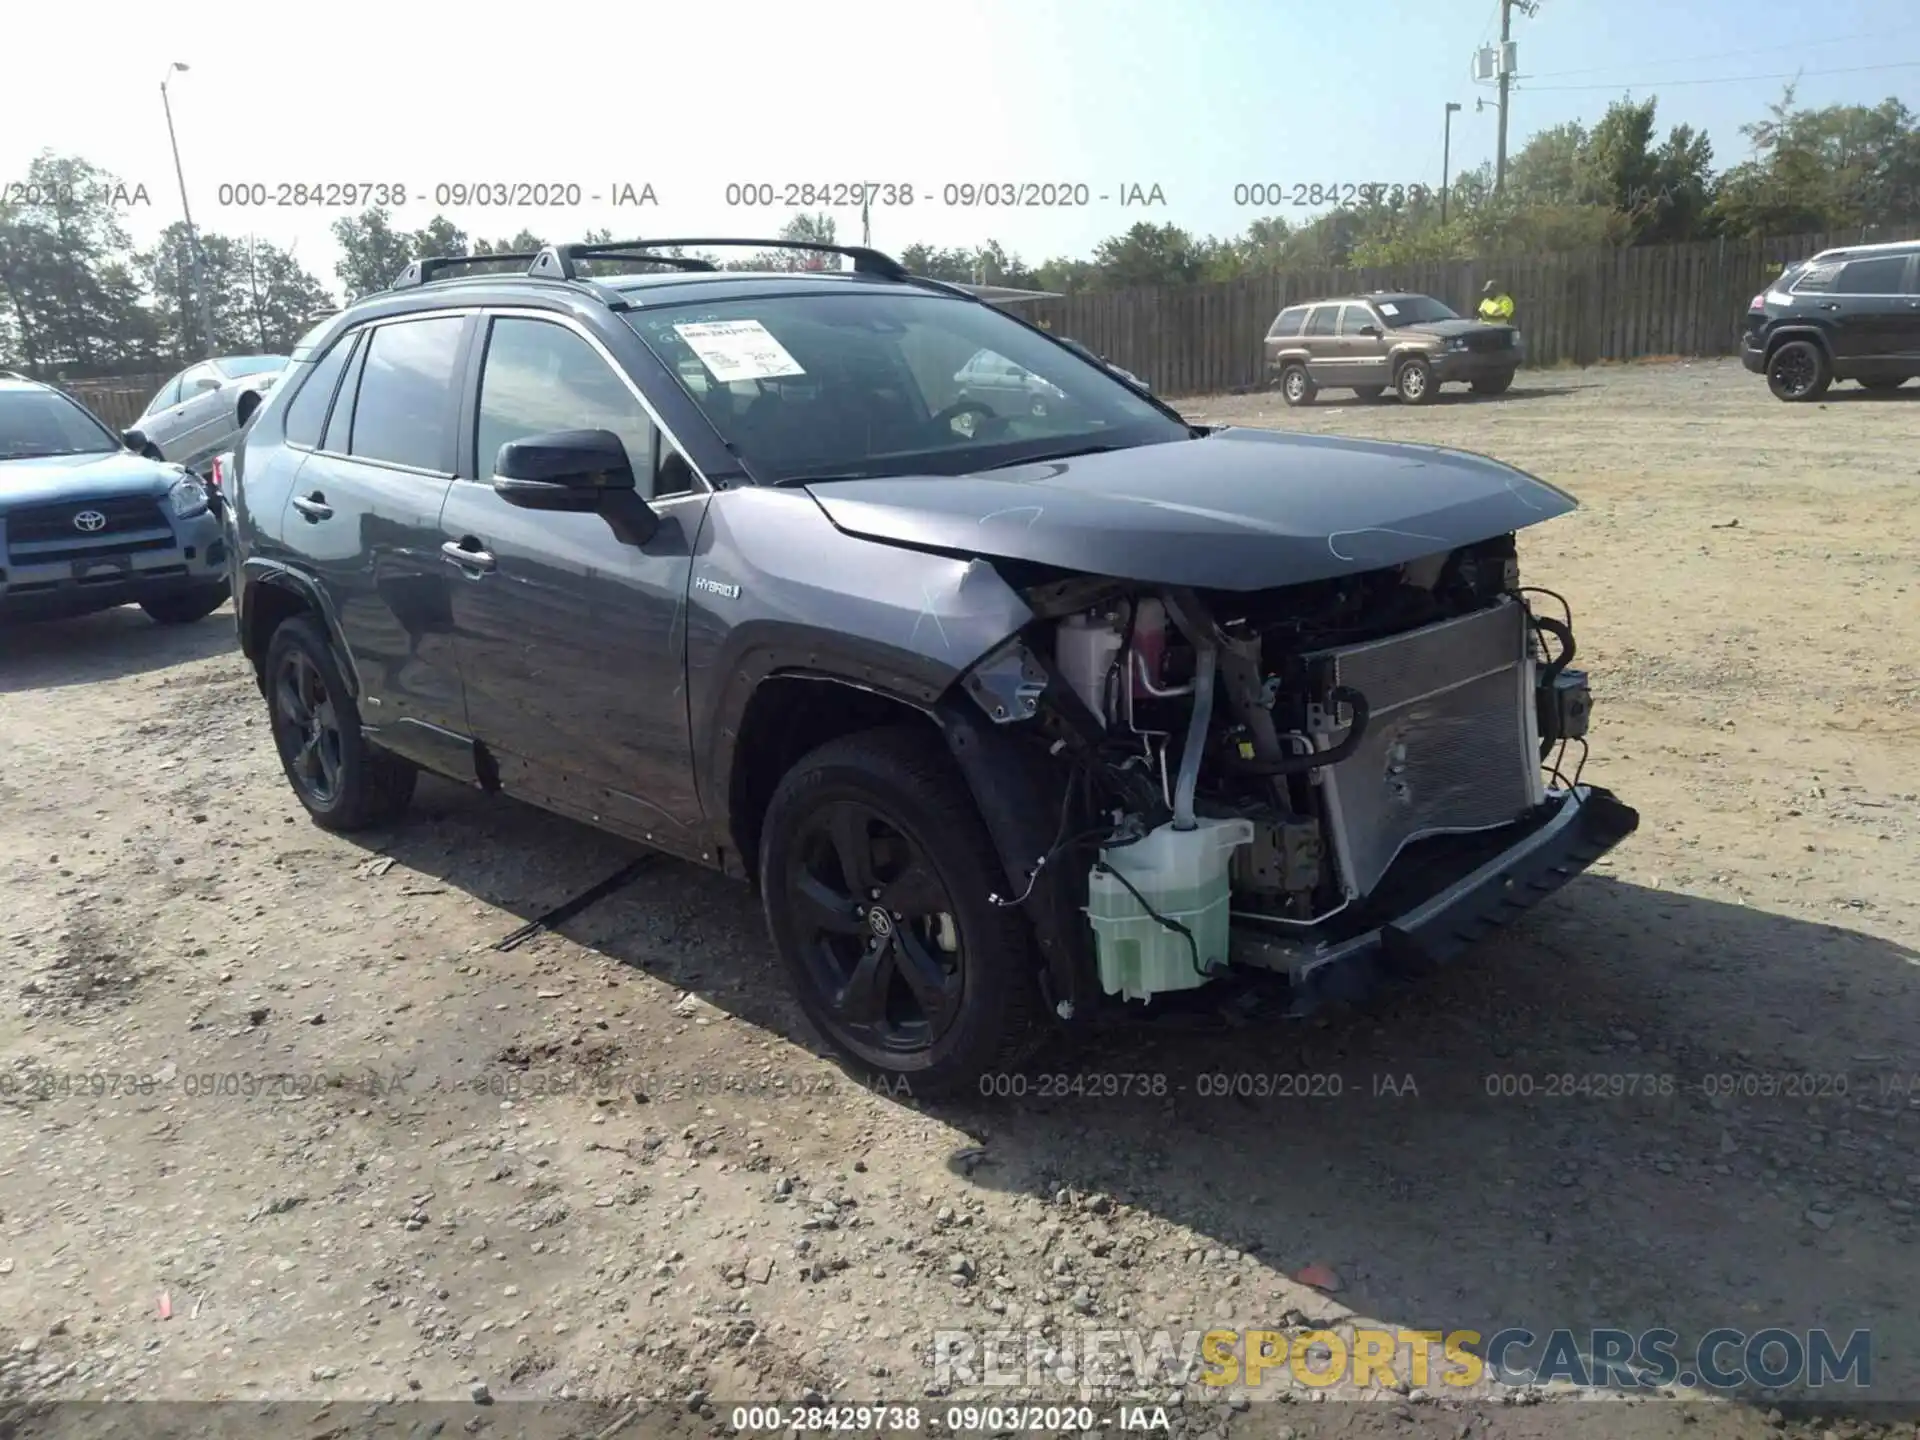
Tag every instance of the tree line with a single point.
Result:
(77, 299)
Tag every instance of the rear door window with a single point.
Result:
(1882, 275)
(1323, 321)
(404, 413)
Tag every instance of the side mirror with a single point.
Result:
(134, 440)
(1373, 330)
(581, 471)
(204, 384)
(562, 469)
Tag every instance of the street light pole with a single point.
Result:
(1446, 158)
(193, 238)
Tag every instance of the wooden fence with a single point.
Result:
(1578, 308)
(118, 401)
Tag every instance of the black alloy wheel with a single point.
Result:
(1799, 371)
(306, 726)
(878, 877)
(344, 782)
(877, 929)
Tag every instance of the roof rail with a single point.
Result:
(421, 272)
(557, 261)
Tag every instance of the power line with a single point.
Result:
(1728, 79)
(1803, 44)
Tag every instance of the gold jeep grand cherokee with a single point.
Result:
(1366, 343)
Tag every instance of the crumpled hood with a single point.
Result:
(53, 478)
(1233, 510)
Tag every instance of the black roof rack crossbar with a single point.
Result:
(420, 272)
(558, 261)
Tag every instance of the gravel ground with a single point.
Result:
(280, 1123)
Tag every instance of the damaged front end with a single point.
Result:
(1322, 782)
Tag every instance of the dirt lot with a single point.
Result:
(279, 1122)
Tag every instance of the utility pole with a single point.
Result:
(1504, 62)
(1500, 152)
(1446, 158)
(193, 238)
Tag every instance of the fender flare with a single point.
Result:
(256, 573)
(825, 658)
(1798, 332)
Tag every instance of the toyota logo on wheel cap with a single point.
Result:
(90, 520)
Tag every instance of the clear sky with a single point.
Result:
(1193, 98)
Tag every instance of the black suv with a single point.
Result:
(1847, 314)
(1013, 717)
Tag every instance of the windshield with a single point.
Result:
(37, 423)
(855, 385)
(234, 366)
(1414, 310)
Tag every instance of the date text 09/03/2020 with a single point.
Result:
(951, 1420)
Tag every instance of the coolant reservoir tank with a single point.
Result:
(1182, 875)
(1084, 647)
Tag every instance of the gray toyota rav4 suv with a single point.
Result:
(1015, 719)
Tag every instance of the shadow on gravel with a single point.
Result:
(1638, 1109)
(107, 645)
(1853, 394)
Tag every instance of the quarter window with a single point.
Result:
(1288, 324)
(404, 411)
(1816, 280)
(307, 411)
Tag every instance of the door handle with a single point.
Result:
(467, 558)
(313, 506)
(1829, 305)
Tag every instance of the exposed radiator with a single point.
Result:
(1450, 745)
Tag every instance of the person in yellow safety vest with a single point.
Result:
(1496, 306)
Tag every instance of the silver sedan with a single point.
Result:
(200, 411)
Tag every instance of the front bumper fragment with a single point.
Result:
(1588, 823)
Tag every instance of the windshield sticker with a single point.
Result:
(1389, 308)
(738, 350)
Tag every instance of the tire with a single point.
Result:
(362, 787)
(1369, 393)
(1885, 382)
(892, 799)
(1494, 384)
(1414, 381)
(1296, 386)
(1799, 371)
(186, 607)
